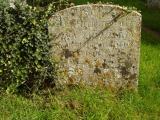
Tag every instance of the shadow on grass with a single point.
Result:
(149, 37)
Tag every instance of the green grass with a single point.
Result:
(97, 103)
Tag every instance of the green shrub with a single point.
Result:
(3, 3)
(58, 4)
(25, 63)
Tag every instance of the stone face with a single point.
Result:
(97, 45)
(154, 3)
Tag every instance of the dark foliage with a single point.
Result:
(58, 4)
(25, 63)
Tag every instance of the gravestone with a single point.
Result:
(97, 45)
(153, 3)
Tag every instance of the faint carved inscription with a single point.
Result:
(97, 44)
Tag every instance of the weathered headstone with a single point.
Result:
(97, 45)
(153, 3)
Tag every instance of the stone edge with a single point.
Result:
(103, 5)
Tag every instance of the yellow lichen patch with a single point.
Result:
(57, 58)
(107, 74)
(79, 71)
(89, 62)
(101, 83)
(71, 80)
(76, 56)
(98, 63)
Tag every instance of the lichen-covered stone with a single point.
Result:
(97, 45)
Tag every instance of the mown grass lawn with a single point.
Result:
(97, 103)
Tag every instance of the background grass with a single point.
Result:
(97, 103)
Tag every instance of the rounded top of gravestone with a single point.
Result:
(123, 8)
